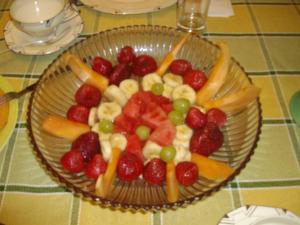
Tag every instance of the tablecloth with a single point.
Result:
(263, 35)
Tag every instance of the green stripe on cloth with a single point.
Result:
(31, 189)
(75, 210)
(263, 184)
(156, 218)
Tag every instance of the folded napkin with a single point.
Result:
(220, 8)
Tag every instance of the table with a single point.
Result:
(263, 35)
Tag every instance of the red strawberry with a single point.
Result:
(207, 140)
(180, 66)
(101, 66)
(155, 172)
(78, 113)
(195, 118)
(135, 146)
(126, 55)
(95, 167)
(88, 144)
(186, 173)
(195, 78)
(88, 96)
(130, 167)
(164, 134)
(216, 116)
(143, 64)
(120, 72)
(73, 161)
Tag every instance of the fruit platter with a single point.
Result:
(144, 118)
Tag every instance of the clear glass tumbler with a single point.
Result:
(192, 14)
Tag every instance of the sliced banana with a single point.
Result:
(180, 154)
(129, 87)
(183, 132)
(106, 149)
(93, 117)
(104, 136)
(118, 141)
(183, 143)
(114, 93)
(184, 91)
(172, 79)
(149, 80)
(151, 150)
(168, 90)
(95, 128)
(109, 110)
(188, 156)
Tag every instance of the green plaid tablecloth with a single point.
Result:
(263, 35)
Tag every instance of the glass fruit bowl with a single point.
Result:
(55, 94)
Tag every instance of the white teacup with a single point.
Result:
(38, 18)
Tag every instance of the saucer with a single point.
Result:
(14, 37)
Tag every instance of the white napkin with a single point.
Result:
(220, 8)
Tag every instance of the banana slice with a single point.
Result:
(104, 136)
(180, 154)
(118, 141)
(184, 91)
(95, 128)
(149, 80)
(93, 117)
(188, 156)
(106, 149)
(168, 90)
(114, 93)
(184, 143)
(151, 150)
(183, 132)
(172, 79)
(109, 110)
(129, 87)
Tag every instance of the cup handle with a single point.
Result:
(71, 12)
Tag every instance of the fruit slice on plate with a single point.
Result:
(4, 111)
(105, 181)
(216, 77)
(172, 184)
(171, 56)
(84, 73)
(61, 127)
(211, 169)
(234, 102)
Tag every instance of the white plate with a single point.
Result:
(128, 6)
(260, 215)
(13, 36)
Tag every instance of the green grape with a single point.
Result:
(181, 105)
(157, 88)
(142, 132)
(106, 126)
(167, 153)
(177, 118)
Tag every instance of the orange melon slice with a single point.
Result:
(84, 73)
(211, 169)
(172, 184)
(64, 128)
(4, 111)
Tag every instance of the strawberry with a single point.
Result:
(206, 140)
(164, 134)
(88, 144)
(126, 55)
(72, 161)
(120, 72)
(180, 66)
(155, 172)
(195, 118)
(143, 64)
(101, 66)
(186, 173)
(130, 167)
(88, 96)
(78, 113)
(135, 146)
(195, 78)
(216, 116)
(95, 167)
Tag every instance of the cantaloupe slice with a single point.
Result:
(64, 128)
(171, 56)
(234, 102)
(4, 111)
(211, 169)
(172, 183)
(104, 182)
(216, 77)
(84, 73)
